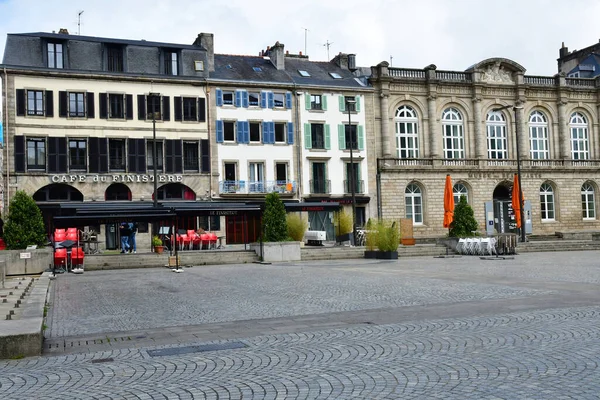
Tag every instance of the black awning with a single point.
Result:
(312, 206)
(105, 218)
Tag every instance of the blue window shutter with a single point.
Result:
(238, 98)
(219, 97)
(245, 99)
(246, 132)
(290, 138)
(288, 100)
(307, 137)
(263, 99)
(219, 131)
(265, 132)
(271, 100)
(239, 135)
(361, 137)
(272, 131)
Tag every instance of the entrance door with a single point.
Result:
(321, 221)
(240, 230)
(111, 237)
(504, 217)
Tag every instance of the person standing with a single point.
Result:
(133, 227)
(124, 231)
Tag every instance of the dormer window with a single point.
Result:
(55, 55)
(171, 62)
(114, 59)
(335, 75)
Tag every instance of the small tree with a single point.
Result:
(464, 220)
(25, 225)
(296, 226)
(342, 221)
(274, 221)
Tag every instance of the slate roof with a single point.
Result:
(63, 36)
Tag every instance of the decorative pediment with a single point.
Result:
(497, 70)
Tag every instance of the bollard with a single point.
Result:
(16, 305)
(7, 316)
(12, 312)
(4, 300)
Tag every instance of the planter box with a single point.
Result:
(387, 255)
(24, 262)
(278, 251)
(371, 253)
(408, 242)
(347, 237)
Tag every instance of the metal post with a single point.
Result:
(349, 103)
(521, 202)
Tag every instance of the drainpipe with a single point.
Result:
(298, 147)
(7, 183)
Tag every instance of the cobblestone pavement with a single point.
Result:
(422, 328)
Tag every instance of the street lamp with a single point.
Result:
(518, 132)
(350, 106)
(155, 115)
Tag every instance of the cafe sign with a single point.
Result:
(115, 178)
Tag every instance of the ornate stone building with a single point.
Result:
(471, 125)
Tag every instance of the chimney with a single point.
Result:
(352, 62)
(563, 51)
(341, 60)
(206, 40)
(63, 31)
(277, 56)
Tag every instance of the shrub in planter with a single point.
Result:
(157, 244)
(370, 239)
(274, 220)
(296, 226)
(343, 225)
(388, 238)
(25, 225)
(464, 223)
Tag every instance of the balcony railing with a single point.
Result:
(257, 187)
(539, 80)
(359, 186)
(453, 76)
(321, 186)
(407, 73)
(232, 187)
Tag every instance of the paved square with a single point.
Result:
(457, 328)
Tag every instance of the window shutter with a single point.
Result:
(324, 102)
(19, 153)
(342, 137)
(263, 100)
(102, 99)
(57, 154)
(272, 132)
(342, 103)
(361, 137)
(265, 132)
(62, 154)
(270, 100)
(219, 135)
(177, 105)
(204, 156)
(103, 155)
(307, 100)
(166, 108)
(307, 137)
(202, 109)
(245, 100)
(141, 156)
(239, 134)
(136, 151)
(288, 100)
(94, 153)
(357, 106)
(219, 94)
(141, 100)
(290, 135)
(246, 132)
(129, 110)
(174, 156)
(20, 102)
(238, 98)
(178, 156)
(327, 137)
(49, 103)
(91, 112)
(62, 104)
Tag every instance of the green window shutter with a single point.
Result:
(307, 137)
(361, 137)
(327, 138)
(342, 137)
(307, 100)
(324, 102)
(357, 98)
(358, 171)
(342, 104)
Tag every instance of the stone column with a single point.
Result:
(480, 139)
(386, 145)
(563, 132)
(523, 134)
(434, 140)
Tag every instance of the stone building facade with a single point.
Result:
(470, 125)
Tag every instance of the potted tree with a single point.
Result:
(343, 227)
(296, 226)
(370, 240)
(388, 239)
(157, 244)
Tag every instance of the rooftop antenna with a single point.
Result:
(305, 36)
(79, 22)
(391, 58)
(328, 44)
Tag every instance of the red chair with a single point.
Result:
(183, 240)
(77, 256)
(59, 237)
(194, 238)
(212, 240)
(204, 241)
(59, 231)
(72, 236)
(71, 230)
(60, 257)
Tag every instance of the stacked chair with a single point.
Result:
(68, 257)
(477, 246)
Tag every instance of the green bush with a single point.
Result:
(343, 222)
(274, 221)
(156, 241)
(371, 235)
(464, 223)
(296, 226)
(24, 225)
(388, 236)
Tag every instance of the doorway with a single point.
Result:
(322, 221)
(504, 216)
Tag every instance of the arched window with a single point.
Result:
(117, 191)
(459, 191)
(407, 141)
(452, 128)
(496, 135)
(580, 146)
(588, 201)
(414, 203)
(547, 202)
(538, 136)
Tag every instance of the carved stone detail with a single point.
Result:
(496, 73)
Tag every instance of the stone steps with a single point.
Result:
(342, 252)
(558, 245)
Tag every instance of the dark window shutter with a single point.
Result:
(91, 112)
(103, 155)
(129, 110)
(20, 102)
(177, 105)
(62, 155)
(202, 109)
(49, 103)
(166, 108)
(178, 155)
(103, 105)
(141, 156)
(94, 151)
(132, 155)
(57, 154)
(19, 154)
(204, 156)
(136, 150)
(62, 104)
(141, 106)
(169, 164)
(174, 156)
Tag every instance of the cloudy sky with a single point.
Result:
(453, 34)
